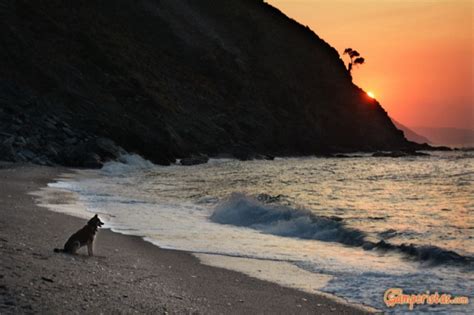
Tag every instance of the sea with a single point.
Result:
(350, 228)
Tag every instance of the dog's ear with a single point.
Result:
(93, 219)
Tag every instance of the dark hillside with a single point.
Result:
(170, 78)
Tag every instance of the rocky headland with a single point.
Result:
(82, 82)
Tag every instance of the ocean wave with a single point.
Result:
(425, 253)
(126, 163)
(245, 211)
(272, 218)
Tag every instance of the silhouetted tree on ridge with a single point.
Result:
(353, 54)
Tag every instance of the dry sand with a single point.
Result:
(128, 275)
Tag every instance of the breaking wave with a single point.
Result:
(245, 211)
(263, 214)
(126, 163)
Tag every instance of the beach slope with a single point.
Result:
(127, 275)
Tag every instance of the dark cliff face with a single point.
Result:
(170, 78)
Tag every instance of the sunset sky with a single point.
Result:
(419, 53)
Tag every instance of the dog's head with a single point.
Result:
(95, 222)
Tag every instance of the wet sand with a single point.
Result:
(127, 275)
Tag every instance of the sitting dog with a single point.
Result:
(84, 236)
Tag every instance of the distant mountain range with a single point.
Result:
(452, 137)
(410, 134)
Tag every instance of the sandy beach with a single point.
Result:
(127, 275)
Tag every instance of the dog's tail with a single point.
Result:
(58, 250)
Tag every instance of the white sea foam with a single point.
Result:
(302, 212)
(242, 210)
(127, 163)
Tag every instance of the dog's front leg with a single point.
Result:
(89, 249)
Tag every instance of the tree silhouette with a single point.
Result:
(353, 54)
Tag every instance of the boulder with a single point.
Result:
(7, 153)
(69, 132)
(397, 154)
(105, 148)
(33, 142)
(51, 151)
(194, 160)
(92, 153)
(243, 153)
(42, 160)
(92, 160)
(26, 154)
(70, 141)
(20, 141)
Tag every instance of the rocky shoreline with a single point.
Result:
(47, 140)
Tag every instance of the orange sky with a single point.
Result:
(419, 53)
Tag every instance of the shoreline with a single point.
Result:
(128, 275)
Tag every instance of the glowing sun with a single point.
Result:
(371, 94)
